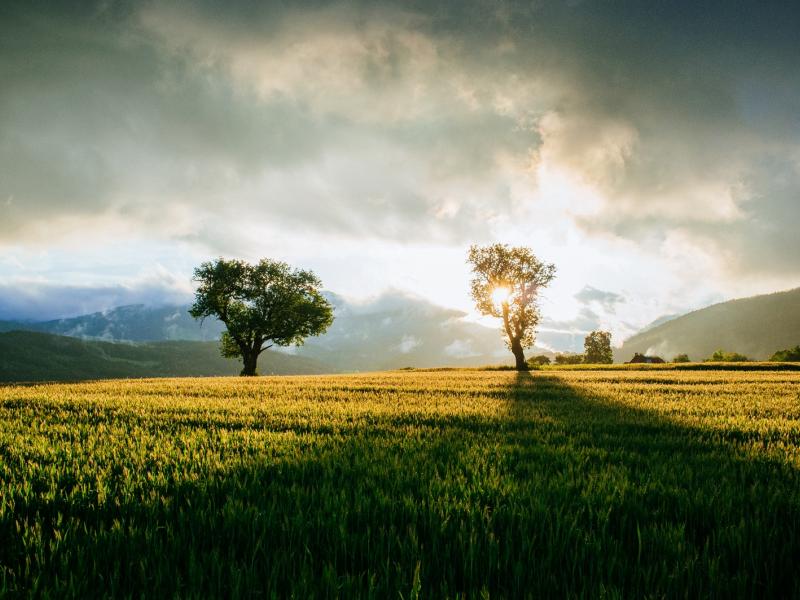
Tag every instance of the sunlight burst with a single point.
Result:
(500, 295)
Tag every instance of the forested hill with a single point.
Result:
(32, 356)
(756, 327)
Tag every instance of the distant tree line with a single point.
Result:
(788, 355)
(722, 356)
(598, 351)
(568, 358)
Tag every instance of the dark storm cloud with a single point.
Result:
(409, 120)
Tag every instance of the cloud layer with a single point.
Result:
(663, 136)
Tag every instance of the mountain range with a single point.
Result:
(391, 331)
(135, 323)
(756, 327)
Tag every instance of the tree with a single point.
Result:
(597, 346)
(722, 356)
(261, 305)
(681, 358)
(569, 359)
(505, 284)
(539, 361)
(790, 355)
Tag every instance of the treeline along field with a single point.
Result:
(433, 484)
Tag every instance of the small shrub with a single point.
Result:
(681, 358)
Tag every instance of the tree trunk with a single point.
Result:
(519, 355)
(250, 364)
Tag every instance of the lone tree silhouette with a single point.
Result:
(505, 284)
(261, 305)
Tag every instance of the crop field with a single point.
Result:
(577, 483)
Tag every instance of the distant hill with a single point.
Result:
(33, 356)
(756, 327)
(391, 331)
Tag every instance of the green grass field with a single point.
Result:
(630, 483)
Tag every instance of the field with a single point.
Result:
(629, 483)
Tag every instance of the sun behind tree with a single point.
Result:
(261, 305)
(505, 284)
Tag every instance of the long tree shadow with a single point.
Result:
(682, 509)
(556, 491)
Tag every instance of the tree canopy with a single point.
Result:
(788, 355)
(597, 348)
(505, 284)
(261, 305)
(568, 359)
(539, 361)
(722, 356)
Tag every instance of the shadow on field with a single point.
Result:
(682, 509)
(558, 492)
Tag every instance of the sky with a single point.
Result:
(651, 150)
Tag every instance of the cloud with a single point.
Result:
(607, 300)
(597, 310)
(22, 299)
(325, 120)
(408, 343)
(672, 130)
(568, 335)
(670, 125)
(460, 349)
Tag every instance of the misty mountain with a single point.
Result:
(135, 323)
(756, 327)
(659, 321)
(34, 356)
(390, 331)
(396, 330)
